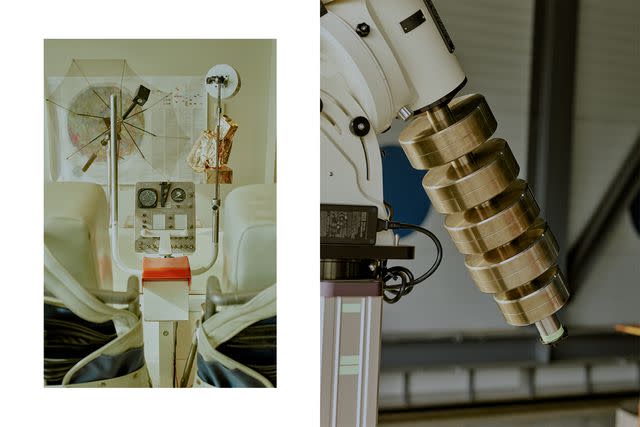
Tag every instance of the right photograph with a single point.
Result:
(479, 213)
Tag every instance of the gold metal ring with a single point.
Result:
(517, 263)
(534, 301)
(506, 217)
(427, 148)
(493, 169)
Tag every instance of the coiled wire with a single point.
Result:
(392, 292)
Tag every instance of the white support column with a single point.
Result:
(350, 360)
(166, 353)
(164, 304)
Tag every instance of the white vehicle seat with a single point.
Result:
(87, 343)
(75, 230)
(249, 244)
(237, 345)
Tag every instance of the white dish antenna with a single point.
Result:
(225, 78)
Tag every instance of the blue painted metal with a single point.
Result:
(403, 188)
(106, 366)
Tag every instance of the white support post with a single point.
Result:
(350, 356)
(166, 353)
(165, 303)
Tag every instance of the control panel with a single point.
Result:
(165, 217)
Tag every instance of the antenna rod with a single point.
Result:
(113, 161)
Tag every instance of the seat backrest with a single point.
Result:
(249, 239)
(76, 220)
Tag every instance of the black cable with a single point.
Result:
(407, 281)
(436, 242)
(393, 293)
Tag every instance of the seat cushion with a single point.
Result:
(249, 244)
(76, 231)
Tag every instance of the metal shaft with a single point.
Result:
(491, 215)
(550, 329)
(216, 163)
(112, 187)
(216, 188)
(113, 158)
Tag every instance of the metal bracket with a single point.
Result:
(215, 297)
(219, 80)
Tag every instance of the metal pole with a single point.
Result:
(113, 161)
(112, 187)
(215, 202)
(216, 190)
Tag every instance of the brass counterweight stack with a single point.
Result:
(491, 215)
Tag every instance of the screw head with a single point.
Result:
(359, 126)
(363, 29)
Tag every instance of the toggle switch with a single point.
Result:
(158, 222)
(181, 222)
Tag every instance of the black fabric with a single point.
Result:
(53, 312)
(68, 339)
(105, 367)
(254, 347)
(217, 375)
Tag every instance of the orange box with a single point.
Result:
(166, 269)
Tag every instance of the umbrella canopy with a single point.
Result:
(148, 127)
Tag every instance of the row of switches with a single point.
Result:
(159, 222)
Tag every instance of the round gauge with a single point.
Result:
(178, 195)
(148, 198)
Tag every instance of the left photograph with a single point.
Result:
(160, 213)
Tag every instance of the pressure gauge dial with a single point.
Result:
(178, 195)
(147, 198)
